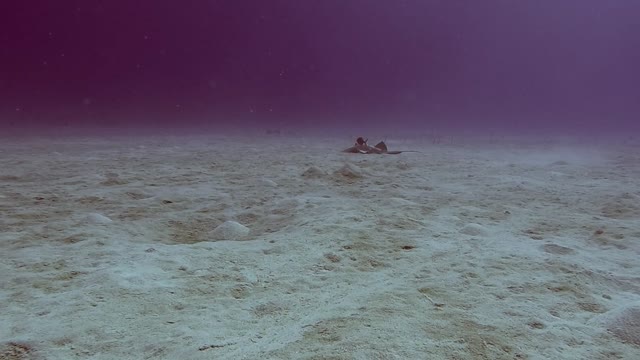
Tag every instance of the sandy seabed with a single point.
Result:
(282, 247)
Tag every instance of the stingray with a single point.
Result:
(361, 147)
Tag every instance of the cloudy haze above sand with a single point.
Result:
(518, 65)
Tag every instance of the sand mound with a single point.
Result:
(268, 183)
(95, 218)
(349, 172)
(230, 230)
(474, 230)
(623, 206)
(557, 249)
(313, 172)
(623, 322)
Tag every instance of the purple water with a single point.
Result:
(498, 65)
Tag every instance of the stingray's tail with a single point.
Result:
(403, 151)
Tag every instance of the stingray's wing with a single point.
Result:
(352, 149)
(382, 146)
(355, 150)
(375, 150)
(383, 149)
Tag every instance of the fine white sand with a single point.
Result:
(479, 248)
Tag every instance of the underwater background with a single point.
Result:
(516, 66)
